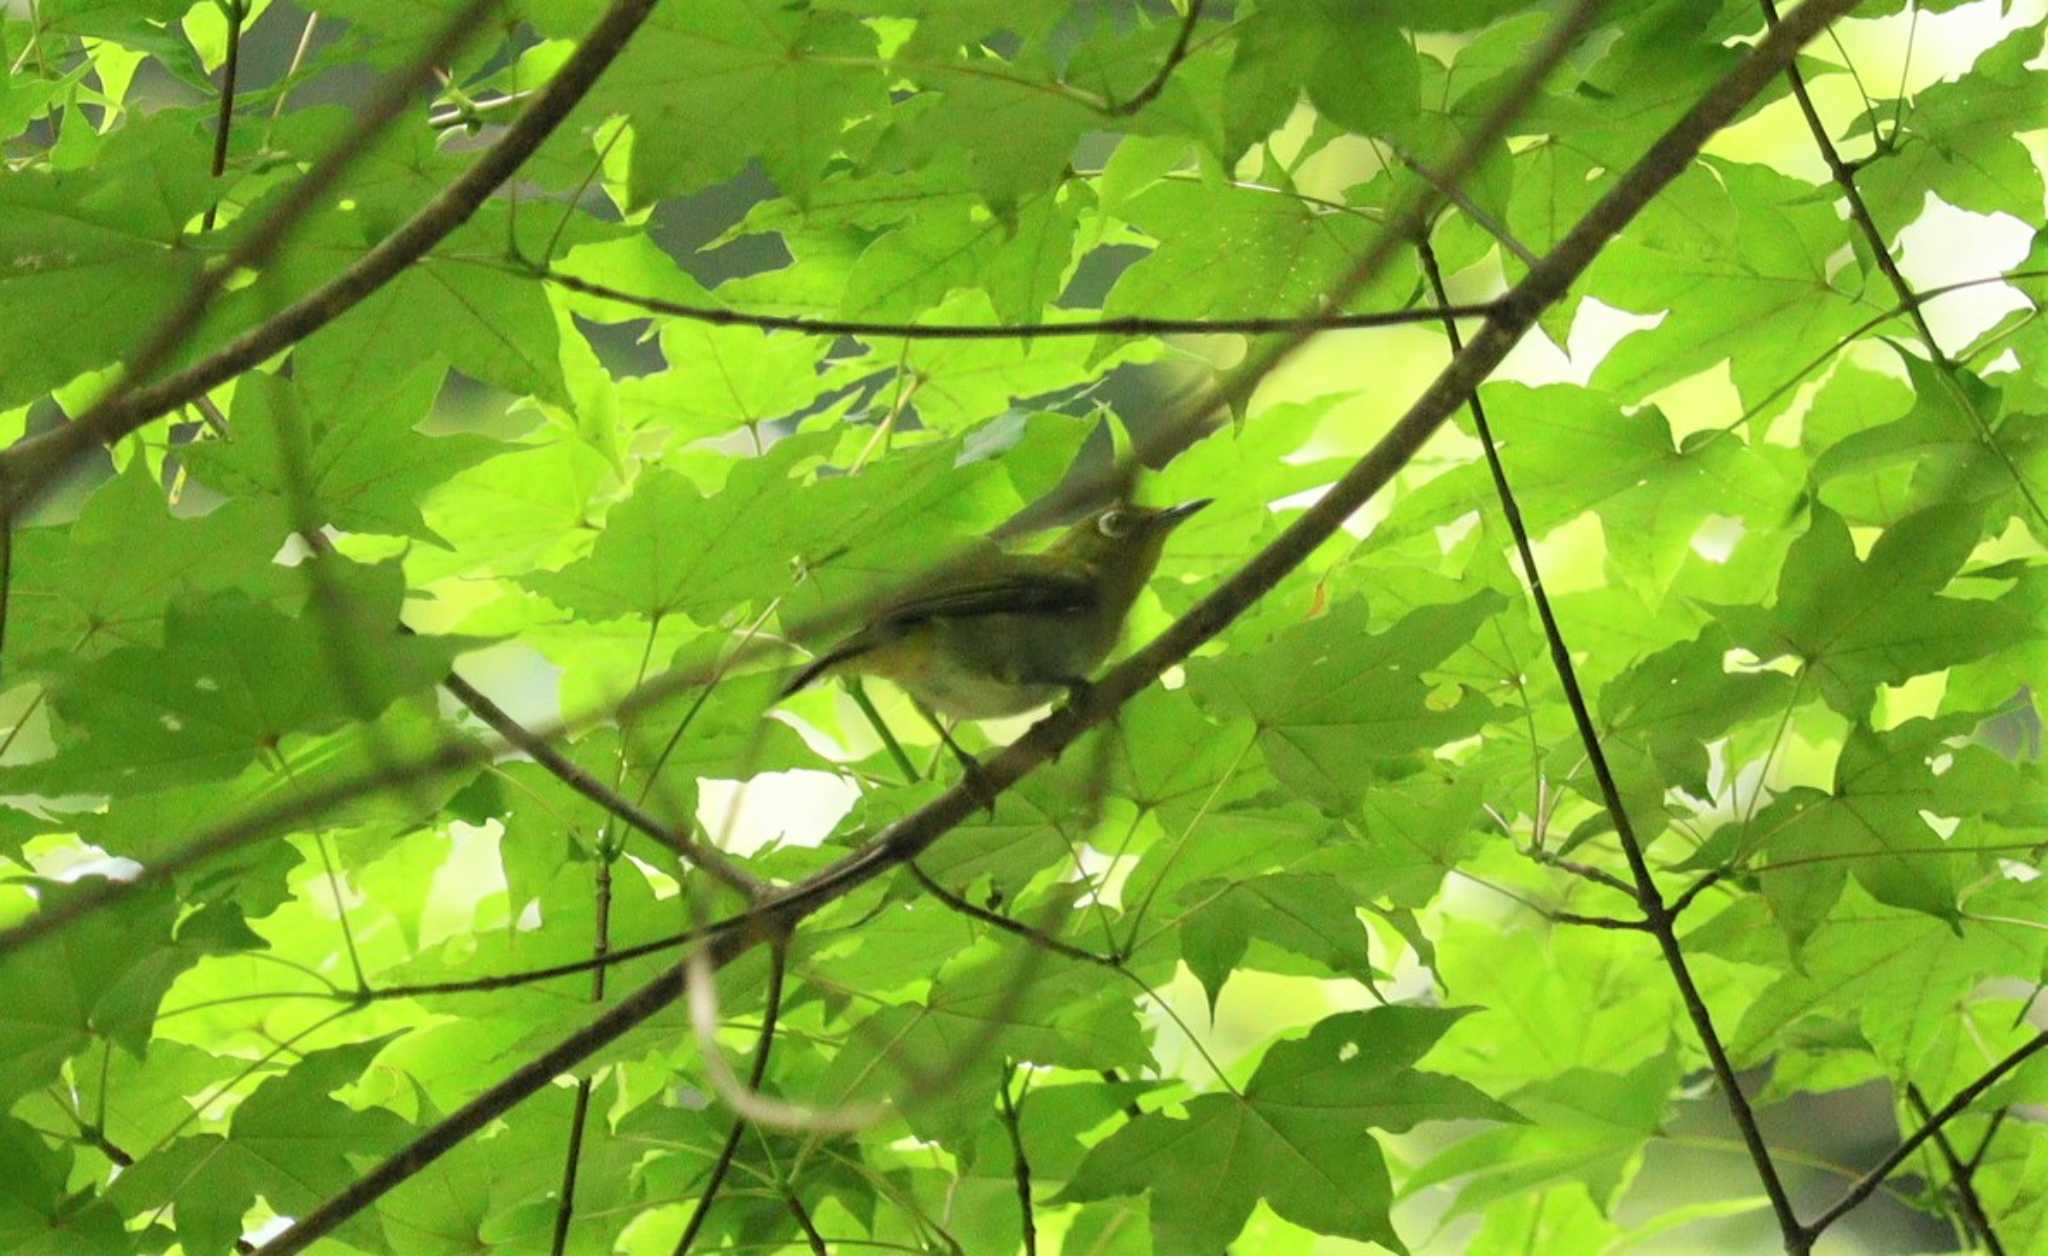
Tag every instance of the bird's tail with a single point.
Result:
(823, 663)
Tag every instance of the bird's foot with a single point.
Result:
(978, 784)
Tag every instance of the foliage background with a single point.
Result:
(1360, 958)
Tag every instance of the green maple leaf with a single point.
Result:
(365, 464)
(1739, 263)
(229, 684)
(1853, 625)
(1584, 1126)
(1959, 139)
(1297, 1137)
(107, 578)
(1872, 823)
(1330, 696)
(1313, 917)
(288, 1142)
(748, 78)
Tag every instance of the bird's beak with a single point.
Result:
(1172, 516)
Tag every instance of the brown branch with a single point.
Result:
(1959, 1179)
(777, 965)
(234, 11)
(1133, 326)
(30, 465)
(1021, 1165)
(1964, 1098)
(566, 770)
(565, 1207)
(906, 838)
(1657, 917)
(1174, 57)
(1859, 212)
(1694, 890)
(1037, 937)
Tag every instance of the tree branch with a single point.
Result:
(777, 966)
(1134, 326)
(30, 465)
(1859, 212)
(234, 11)
(1964, 1098)
(1036, 937)
(566, 770)
(1656, 916)
(1174, 57)
(1021, 1165)
(906, 838)
(1959, 1179)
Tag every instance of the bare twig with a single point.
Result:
(1871, 1180)
(28, 467)
(1174, 57)
(1657, 916)
(778, 964)
(233, 10)
(1133, 326)
(1021, 1165)
(1959, 1175)
(1036, 937)
(566, 770)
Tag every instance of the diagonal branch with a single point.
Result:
(908, 837)
(1658, 920)
(29, 466)
(1959, 1175)
(1174, 56)
(1859, 212)
(1955, 1107)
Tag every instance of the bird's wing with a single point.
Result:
(1029, 583)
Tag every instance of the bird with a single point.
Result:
(1007, 633)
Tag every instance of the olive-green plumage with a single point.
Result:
(1005, 635)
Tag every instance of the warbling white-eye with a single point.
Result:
(1004, 635)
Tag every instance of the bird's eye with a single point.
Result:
(1113, 523)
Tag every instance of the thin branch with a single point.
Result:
(28, 467)
(1017, 1158)
(1132, 326)
(810, 1228)
(1036, 937)
(1655, 913)
(778, 963)
(1585, 872)
(565, 1206)
(1859, 212)
(1990, 1132)
(569, 773)
(1959, 1179)
(908, 837)
(1470, 208)
(1174, 57)
(234, 11)
(1964, 1098)
(1693, 891)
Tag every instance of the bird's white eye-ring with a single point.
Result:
(1113, 523)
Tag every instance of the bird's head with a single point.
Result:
(1125, 537)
